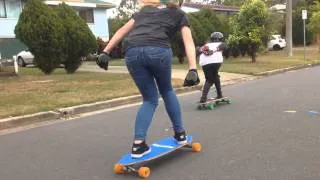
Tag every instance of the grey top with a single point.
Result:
(155, 27)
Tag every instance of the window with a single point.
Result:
(87, 15)
(13, 8)
(2, 9)
(10, 8)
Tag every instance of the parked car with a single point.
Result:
(24, 58)
(276, 42)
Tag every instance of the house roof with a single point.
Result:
(215, 7)
(83, 3)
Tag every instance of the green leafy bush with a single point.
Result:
(40, 28)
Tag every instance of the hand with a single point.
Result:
(206, 51)
(192, 78)
(103, 60)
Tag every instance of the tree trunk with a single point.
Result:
(289, 27)
(254, 49)
(253, 57)
(318, 41)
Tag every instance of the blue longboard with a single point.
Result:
(158, 149)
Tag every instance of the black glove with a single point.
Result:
(192, 78)
(103, 60)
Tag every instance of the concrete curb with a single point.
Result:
(277, 71)
(27, 119)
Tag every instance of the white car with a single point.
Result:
(276, 42)
(24, 58)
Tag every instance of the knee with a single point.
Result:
(209, 82)
(166, 92)
(152, 101)
(155, 102)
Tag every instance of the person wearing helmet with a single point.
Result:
(210, 60)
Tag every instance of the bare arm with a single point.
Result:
(189, 47)
(119, 35)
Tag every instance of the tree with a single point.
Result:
(127, 8)
(297, 25)
(125, 11)
(78, 38)
(250, 26)
(116, 23)
(40, 29)
(314, 24)
(199, 31)
(234, 2)
(202, 24)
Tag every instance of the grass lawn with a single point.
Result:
(32, 91)
(271, 61)
(265, 62)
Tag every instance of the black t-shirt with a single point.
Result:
(155, 27)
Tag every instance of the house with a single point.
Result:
(222, 9)
(94, 12)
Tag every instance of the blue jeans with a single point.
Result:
(150, 67)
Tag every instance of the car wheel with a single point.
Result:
(21, 62)
(276, 47)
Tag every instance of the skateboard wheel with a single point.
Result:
(144, 172)
(118, 168)
(196, 147)
(211, 107)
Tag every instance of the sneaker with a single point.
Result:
(219, 97)
(139, 150)
(180, 137)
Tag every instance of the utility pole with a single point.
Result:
(289, 27)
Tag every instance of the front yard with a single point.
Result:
(266, 62)
(32, 92)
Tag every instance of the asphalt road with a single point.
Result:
(267, 133)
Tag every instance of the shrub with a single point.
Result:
(78, 38)
(40, 29)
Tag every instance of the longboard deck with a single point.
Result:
(158, 149)
(211, 100)
(211, 103)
